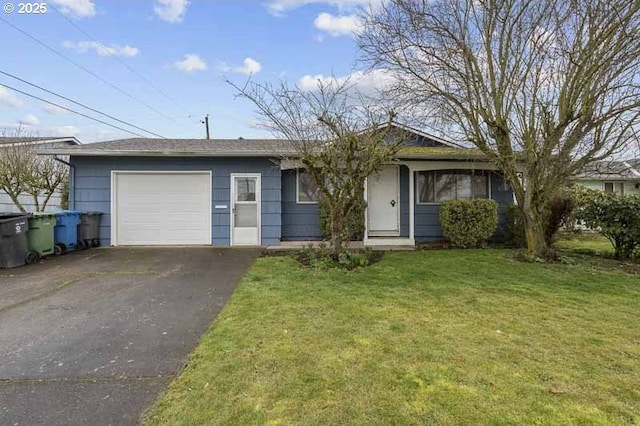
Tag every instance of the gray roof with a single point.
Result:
(217, 147)
(181, 147)
(25, 140)
(611, 170)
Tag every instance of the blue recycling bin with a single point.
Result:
(65, 233)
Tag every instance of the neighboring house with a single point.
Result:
(252, 192)
(6, 205)
(621, 177)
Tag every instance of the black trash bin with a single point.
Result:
(13, 239)
(89, 230)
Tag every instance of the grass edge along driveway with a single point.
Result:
(426, 337)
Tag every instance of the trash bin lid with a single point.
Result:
(11, 215)
(68, 213)
(45, 214)
(92, 213)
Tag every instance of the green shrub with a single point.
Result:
(559, 214)
(320, 257)
(354, 229)
(616, 217)
(513, 227)
(469, 223)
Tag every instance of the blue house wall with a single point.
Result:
(91, 188)
(427, 220)
(282, 217)
(300, 222)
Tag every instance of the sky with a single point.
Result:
(161, 64)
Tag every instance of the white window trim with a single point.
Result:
(417, 194)
(614, 182)
(298, 190)
(113, 201)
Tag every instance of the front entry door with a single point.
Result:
(245, 210)
(383, 203)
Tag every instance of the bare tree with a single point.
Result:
(336, 136)
(544, 86)
(22, 172)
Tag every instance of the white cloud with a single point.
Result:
(171, 10)
(190, 63)
(8, 98)
(54, 110)
(249, 66)
(79, 8)
(59, 131)
(280, 7)
(338, 25)
(29, 120)
(102, 49)
(366, 83)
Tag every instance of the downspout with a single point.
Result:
(72, 179)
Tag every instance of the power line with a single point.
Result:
(140, 76)
(78, 103)
(69, 109)
(43, 44)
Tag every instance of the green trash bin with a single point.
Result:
(40, 237)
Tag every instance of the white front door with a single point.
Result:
(383, 203)
(245, 209)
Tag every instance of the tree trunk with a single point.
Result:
(16, 202)
(336, 235)
(534, 235)
(46, 201)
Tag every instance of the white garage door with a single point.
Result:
(161, 208)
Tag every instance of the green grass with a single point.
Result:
(585, 242)
(427, 337)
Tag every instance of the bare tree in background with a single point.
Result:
(336, 136)
(22, 171)
(546, 85)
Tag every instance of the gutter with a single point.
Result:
(71, 198)
(87, 153)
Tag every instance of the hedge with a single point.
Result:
(469, 223)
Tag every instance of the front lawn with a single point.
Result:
(585, 242)
(426, 337)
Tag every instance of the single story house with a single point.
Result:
(252, 192)
(620, 177)
(39, 143)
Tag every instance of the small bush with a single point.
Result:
(616, 217)
(354, 229)
(559, 214)
(320, 257)
(469, 223)
(513, 227)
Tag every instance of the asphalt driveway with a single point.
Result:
(93, 337)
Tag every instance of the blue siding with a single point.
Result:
(300, 222)
(92, 188)
(427, 220)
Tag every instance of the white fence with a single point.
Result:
(6, 205)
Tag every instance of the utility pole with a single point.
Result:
(206, 124)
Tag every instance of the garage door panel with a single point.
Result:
(163, 209)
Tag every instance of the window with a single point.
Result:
(441, 185)
(615, 187)
(308, 191)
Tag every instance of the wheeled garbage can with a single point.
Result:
(88, 230)
(40, 238)
(65, 233)
(13, 239)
